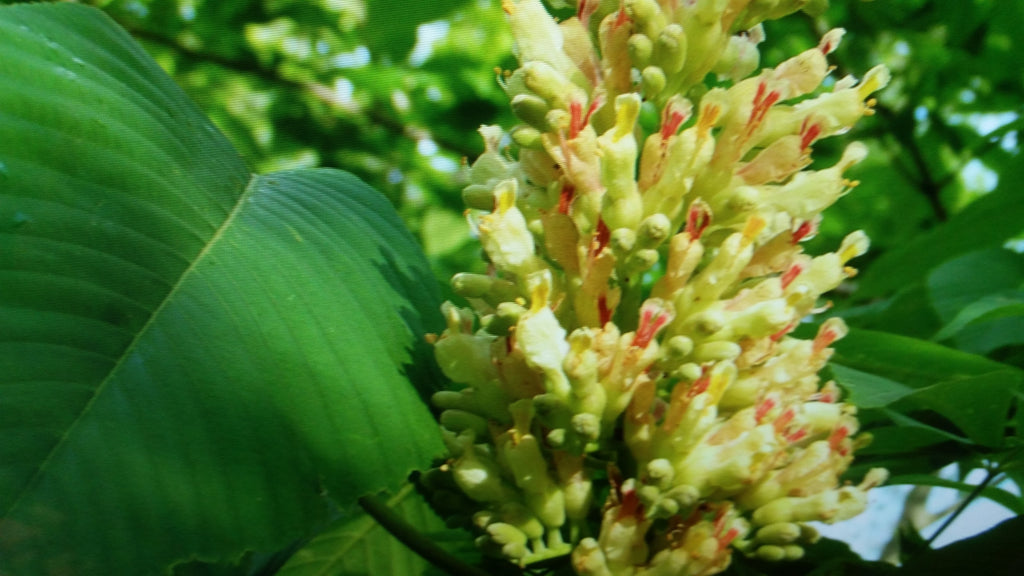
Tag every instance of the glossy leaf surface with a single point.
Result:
(190, 355)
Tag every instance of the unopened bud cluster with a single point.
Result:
(633, 339)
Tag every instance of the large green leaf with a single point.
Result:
(988, 222)
(973, 277)
(190, 356)
(868, 390)
(910, 361)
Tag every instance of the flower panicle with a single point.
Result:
(644, 235)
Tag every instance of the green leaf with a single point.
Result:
(868, 390)
(190, 356)
(986, 310)
(978, 405)
(912, 362)
(1009, 500)
(357, 543)
(995, 552)
(903, 439)
(987, 222)
(956, 284)
(391, 27)
(914, 424)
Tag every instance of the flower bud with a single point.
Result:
(622, 241)
(478, 476)
(640, 261)
(550, 85)
(674, 352)
(779, 533)
(771, 553)
(740, 57)
(460, 421)
(520, 516)
(492, 290)
(528, 137)
(588, 559)
(670, 49)
(465, 358)
(640, 50)
(588, 426)
(623, 206)
(511, 539)
(576, 485)
(538, 37)
(715, 351)
(647, 16)
(531, 109)
(478, 196)
(505, 316)
(654, 230)
(653, 81)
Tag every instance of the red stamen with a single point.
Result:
(653, 318)
(720, 519)
(566, 197)
(806, 228)
(576, 121)
(808, 134)
(604, 313)
(791, 274)
(631, 506)
(762, 102)
(778, 335)
(727, 538)
(835, 440)
(763, 408)
(671, 120)
(783, 420)
(701, 384)
(797, 436)
(824, 339)
(601, 237)
(585, 10)
(697, 219)
(622, 16)
(761, 89)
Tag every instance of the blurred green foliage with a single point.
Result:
(394, 92)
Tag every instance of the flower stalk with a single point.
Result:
(643, 224)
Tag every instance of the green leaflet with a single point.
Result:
(358, 544)
(190, 355)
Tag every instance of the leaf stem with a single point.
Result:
(414, 539)
(990, 474)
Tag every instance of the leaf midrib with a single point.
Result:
(229, 219)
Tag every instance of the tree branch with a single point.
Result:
(252, 67)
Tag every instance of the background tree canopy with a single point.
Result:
(395, 91)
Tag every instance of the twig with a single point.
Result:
(416, 540)
(990, 474)
(252, 67)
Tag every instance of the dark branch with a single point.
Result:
(252, 67)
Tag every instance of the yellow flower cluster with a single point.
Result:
(633, 341)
